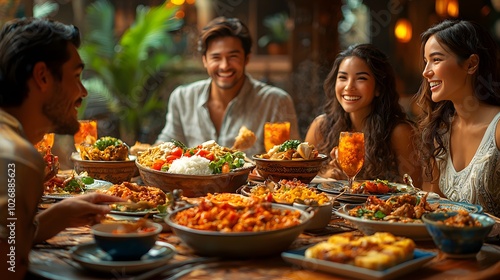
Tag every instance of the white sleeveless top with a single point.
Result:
(479, 182)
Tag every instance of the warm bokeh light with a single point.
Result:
(190, 2)
(445, 8)
(403, 30)
(177, 2)
(441, 7)
(452, 8)
(180, 14)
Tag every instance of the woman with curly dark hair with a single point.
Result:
(362, 97)
(459, 127)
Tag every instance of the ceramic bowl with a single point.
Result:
(304, 170)
(115, 172)
(125, 246)
(322, 215)
(239, 244)
(457, 241)
(196, 185)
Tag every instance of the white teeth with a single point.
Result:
(225, 75)
(351, 98)
(433, 84)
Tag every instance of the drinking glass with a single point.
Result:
(46, 143)
(275, 134)
(86, 134)
(351, 154)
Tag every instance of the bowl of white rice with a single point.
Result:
(194, 165)
(194, 177)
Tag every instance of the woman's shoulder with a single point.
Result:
(402, 129)
(313, 135)
(497, 132)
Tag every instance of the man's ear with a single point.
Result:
(41, 75)
(247, 59)
(204, 59)
(472, 64)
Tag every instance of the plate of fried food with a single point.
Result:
(399, 214)
(141, 200)
(362, 189)
(378, 256)
(286, 192)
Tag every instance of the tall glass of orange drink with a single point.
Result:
(86, 134)
(275, 134)
(351, 154)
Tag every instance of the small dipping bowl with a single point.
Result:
(458, 242)
(125, 246)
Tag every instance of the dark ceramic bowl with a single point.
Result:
(125, 246)
(239, 244)
(115, 172)
(458, 241)
(304, 170)
(196, 185)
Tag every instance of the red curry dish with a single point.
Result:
(226, 218)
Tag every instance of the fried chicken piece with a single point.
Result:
(245, 139)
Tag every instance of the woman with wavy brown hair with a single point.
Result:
(460, 124)
(362, 97)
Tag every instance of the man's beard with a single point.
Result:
(62, 123)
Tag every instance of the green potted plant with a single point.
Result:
(276, 39)
(124, 72)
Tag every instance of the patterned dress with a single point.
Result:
(479, 182)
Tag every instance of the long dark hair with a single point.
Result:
(386, 113)
(25, 42)
(462, 38)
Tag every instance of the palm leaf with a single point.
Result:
(125, 65)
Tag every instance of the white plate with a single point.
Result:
(415, 231)
(135, 213)
(91, 257)
(97, 185)
(297, 257)
(335, 188)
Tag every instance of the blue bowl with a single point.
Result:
(125, 246)
(458, 241)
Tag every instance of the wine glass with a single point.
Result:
(351, 154)
(86, 134)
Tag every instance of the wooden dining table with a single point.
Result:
(52, 260)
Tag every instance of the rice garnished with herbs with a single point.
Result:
(194, 165)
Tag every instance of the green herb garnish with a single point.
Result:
(87, 180)
(106, 141)
(379, 214)
(289, 144)
(179, 144)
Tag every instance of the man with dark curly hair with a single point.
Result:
(41, 90)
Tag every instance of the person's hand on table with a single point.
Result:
(73, 212)
(334, 171)
(86, 209)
